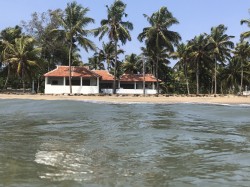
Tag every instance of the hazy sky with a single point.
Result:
(195, 16)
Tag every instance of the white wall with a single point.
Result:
(55, 89)
(246, 92)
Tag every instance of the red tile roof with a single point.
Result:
(77, 71)
(106, 76)
(80, 71)
(138, 78)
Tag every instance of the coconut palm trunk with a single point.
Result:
(241, 78)
(23, 73)
(115, 69)
(186, 77)
(157, 63)
(70, 70)
(197, 78)
(7, 78)
(215, 76)
(38, 85)
(157, 75)
(143, 67)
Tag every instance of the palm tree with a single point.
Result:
(148, 55)
(107, 54)
(158, 35)
(242, 53)
(74, 21)
(247, 33)
(221, 48)
(8, 35)
(182, 54)
(95, 63)
(132, 64)
(231, 74)
(116, 29)
(199, 55)
(23, 55)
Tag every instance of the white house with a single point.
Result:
(85, 81)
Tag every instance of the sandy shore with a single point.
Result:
(230, 99)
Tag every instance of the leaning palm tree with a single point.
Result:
(158, 35)
(74, 22)
(23, 55)
(242, 53)
(116, 29)
(221, 48)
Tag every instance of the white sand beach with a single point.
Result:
(228, 99)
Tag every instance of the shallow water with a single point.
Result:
(69, 143)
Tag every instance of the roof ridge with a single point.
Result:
(91, 71)
(52, 71)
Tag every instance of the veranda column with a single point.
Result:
(64, 81)
(98, 84)
(33, 86)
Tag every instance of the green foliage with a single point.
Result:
(116, 29)
(132, 64)
(158, 38)
(74, 22)
(54, 49)
(23, 56)
(52, 38)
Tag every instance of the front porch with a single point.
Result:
(130, 88)
(129, 91)
(80, 85)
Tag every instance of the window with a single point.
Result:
(86, 82)
(106, 85)
(75, 81)
(54, 82)
(127, 86)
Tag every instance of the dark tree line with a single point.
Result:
(208, 63)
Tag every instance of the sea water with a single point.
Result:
(74, 143)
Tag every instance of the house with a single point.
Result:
(85, 81)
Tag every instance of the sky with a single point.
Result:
(195, 16)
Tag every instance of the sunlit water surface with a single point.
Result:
(73, 143)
